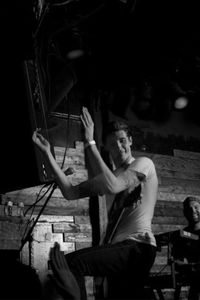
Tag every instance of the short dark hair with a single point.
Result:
(114, 126)
(187, 201)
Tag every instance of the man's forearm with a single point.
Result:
(97, 162)
(64, 183)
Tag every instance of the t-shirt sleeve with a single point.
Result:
(145, 166)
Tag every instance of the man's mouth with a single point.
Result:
(195, 216)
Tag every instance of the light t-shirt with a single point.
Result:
(136, 219)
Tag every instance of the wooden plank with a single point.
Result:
(169, 220)
(160, 228)
(186, 154)
(161, 257)
(77, 237)
(72, 156)
(168, 208)
(26, 194)
(81, 219)
(12, 231)
(29, 199)
(174, 197)
(163, 269)
(53, 219)
(71, 227)
(182, 186)
(79, 145)
(60, 211)
(172, 163)
(81, 245)
(79, 149)
(15, 211)
(176, 174)
(103, 215)
(10, 244)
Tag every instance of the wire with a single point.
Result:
(33, 208)
(67, 132)
(28, 235)
(37, 200)
(157, 273)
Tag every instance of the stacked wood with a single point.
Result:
(62, 221)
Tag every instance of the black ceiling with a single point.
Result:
(124, 41)
(121, 38)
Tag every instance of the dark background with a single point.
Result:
(124, 42)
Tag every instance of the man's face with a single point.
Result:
(193, 212)
(119, 146)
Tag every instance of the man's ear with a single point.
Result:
(131, 140)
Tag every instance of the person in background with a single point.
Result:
(186, 251)
(129, 248)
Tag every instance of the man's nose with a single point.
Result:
(118, 145)
(193, 209)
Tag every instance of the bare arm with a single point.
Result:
(104, 183)
(69, 191)
(114, 183)
(97, 163)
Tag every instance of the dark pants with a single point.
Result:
(125, 263)
(194, 292)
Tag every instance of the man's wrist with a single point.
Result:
(89, 143)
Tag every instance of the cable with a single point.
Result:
(33, 206)
(67, 133)
(157, 273)
(28, 236)
(38, 200)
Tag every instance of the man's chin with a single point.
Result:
(196, 219)
(122, 159)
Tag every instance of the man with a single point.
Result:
(129, 247)
(186, 251)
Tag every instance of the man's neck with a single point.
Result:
(127, 162)
(194, 227)
(197, 226)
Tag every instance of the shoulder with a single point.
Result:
(143, 161)
(144, 165)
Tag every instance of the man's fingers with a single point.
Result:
(64, 261)
(87, 115)
(84, 115)
(60, 258)
(83, 120)
(53, 258)
(57, 258)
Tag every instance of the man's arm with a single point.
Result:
(104, 183)
(62, 180)
(96, 161)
